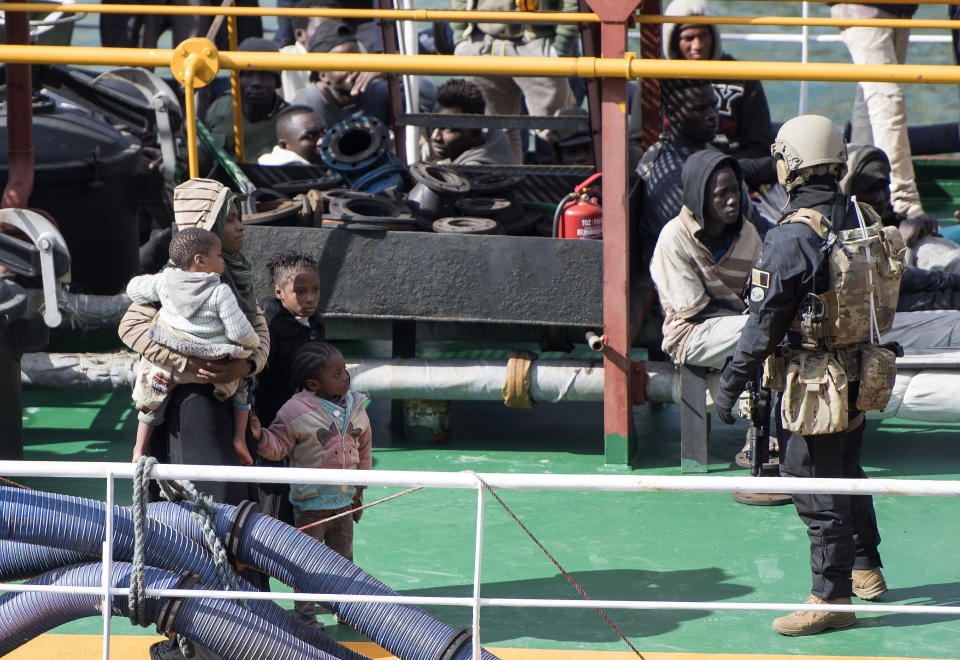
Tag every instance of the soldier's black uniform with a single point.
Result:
(842, 528)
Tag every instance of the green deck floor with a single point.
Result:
(650, 546)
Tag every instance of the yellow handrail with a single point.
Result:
(235, 93)
(369, 14)
(191, 112)
(584, 67)
(430, 15)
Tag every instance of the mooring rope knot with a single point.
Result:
(203, 510)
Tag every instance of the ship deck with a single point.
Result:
(638, 546)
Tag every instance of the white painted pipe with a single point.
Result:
(511, 481)
(410, 45)
(551, 381)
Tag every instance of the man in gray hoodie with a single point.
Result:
(744, 130)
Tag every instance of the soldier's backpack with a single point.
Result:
(865, 267)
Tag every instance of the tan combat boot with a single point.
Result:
(806, 622)
(868, 584)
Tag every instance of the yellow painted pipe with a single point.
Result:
(590, 67)
(584, 67)
(235, 92)
(190, 110)
(368, 14)
(816, 71)
(799, 21)
(85, 55)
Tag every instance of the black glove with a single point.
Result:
(724, 405)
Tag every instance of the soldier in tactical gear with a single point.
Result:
(834, 369)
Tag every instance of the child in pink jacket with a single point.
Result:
(322, 426)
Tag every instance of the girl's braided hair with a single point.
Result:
(284, 265)
(309, 359)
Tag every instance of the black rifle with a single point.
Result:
(758, 411)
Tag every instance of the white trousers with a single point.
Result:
(886, 109)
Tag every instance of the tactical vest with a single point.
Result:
(865, 266)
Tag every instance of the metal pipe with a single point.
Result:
(804, 57)
(822, 38)
(595, 341)
(145, 57)
(625, 483)
(584, 67)
(16, 194)
(190, 111)
(811, 21)
(235, 93)
(488, 16)
(364, 14)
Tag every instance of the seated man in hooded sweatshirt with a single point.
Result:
(744, 130)
(701, 263)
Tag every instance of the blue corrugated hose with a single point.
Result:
(77, 524)
(221, 626)
(309, 566)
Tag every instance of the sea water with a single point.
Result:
(926, 103)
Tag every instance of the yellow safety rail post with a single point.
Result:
(194, 64)
(235, 92)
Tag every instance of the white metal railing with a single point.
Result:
(471, 480)
(804, 38)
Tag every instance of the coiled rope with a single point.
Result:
(203, 511)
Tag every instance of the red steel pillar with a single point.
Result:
(619, 437)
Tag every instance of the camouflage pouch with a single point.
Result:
(814, 400)
(878, 371)
(774, 372)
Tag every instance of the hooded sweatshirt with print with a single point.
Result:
(198, 305)
(698, 276)
(316, 433)
(198, 316)
(745, 131)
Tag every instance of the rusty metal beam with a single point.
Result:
(619, 437)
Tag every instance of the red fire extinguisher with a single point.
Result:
(582, 216)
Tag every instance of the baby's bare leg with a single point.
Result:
(240, 418)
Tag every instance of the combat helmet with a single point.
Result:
(806, 145)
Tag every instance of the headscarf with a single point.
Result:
(205, 203)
